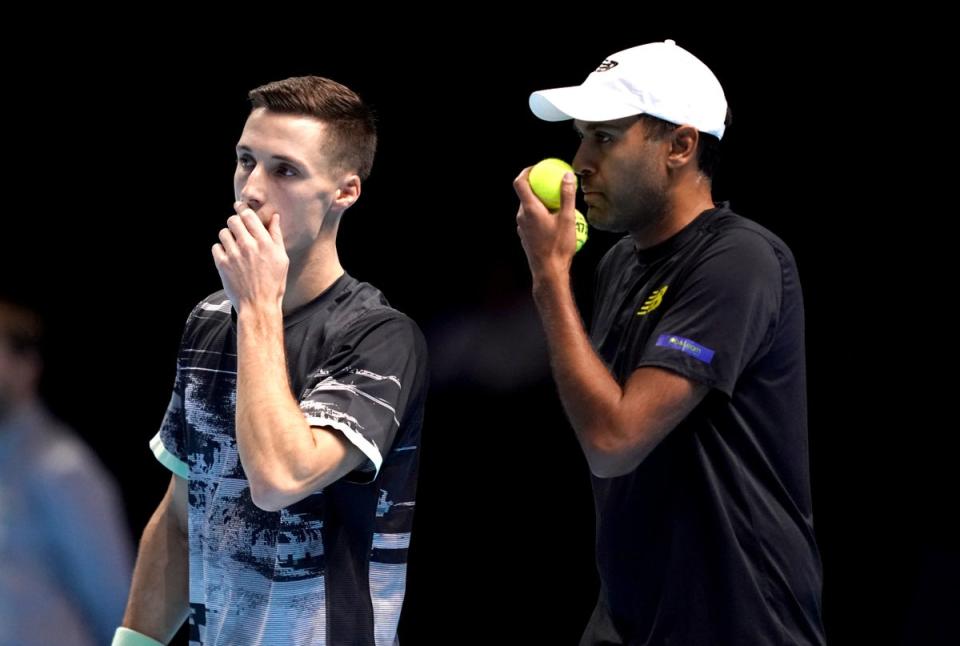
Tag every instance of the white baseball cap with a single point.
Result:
(659, 79)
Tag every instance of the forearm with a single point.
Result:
(589, 394)
(158, 603)
(277, 447)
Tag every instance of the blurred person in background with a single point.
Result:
(65, 552)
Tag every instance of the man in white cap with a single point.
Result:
(688, 396)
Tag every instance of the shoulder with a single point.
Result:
(362, 309)
(215, 305)
(743, 242)
(212, 312)
(62, 460)
(385, 326)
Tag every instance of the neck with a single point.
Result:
(311, 275)
(682, 208)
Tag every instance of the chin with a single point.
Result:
(601, 221)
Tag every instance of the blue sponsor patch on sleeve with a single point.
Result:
(694, 349)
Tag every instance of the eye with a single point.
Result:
(603, 137)
(286, 171)
(245, 161)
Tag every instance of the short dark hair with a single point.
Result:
(708, 147)
(353, 130)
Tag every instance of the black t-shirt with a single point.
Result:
(331, 567)
(710, 539)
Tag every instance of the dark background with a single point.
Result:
(118, 177)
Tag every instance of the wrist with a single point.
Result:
(128, 637)
(260, 314)
(547, 285)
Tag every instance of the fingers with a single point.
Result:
(219, 255)
(276, 234)
(521, 186)
(521, 182)
(251, 222)
(227, 242)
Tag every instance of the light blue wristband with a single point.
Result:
(127, 637)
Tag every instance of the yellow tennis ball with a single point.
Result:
(546, 180)
(581, 229)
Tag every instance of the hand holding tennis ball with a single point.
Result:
(546, 180)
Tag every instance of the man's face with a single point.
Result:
(623, 175)
(282, 168)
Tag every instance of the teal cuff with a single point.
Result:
(127, 637)
(168, 459)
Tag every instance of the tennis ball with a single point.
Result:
(546, 178)
(581, 229)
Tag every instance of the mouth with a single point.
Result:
(589, 196)
(241, 206)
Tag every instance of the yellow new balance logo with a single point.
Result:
(653, 302)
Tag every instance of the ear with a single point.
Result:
(683, 147)
(348, 192)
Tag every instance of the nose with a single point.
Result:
(582, 164)
(251, 189)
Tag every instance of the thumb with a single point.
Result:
(568, 194)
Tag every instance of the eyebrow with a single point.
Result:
(593, 125)
(283, 158)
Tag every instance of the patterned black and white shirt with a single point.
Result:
(331, 568)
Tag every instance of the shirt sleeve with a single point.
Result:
(169, 445)
(723, 314)
(364, 388)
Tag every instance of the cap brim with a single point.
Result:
(580, 102)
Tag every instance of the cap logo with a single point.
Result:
(607, 65)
